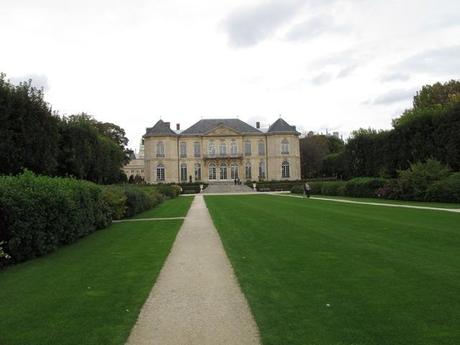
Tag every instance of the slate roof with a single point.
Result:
(281, 126)
(160, 128)
(204, 126)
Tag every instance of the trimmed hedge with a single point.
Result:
(445, 190)
(192, 188)
(39, 213)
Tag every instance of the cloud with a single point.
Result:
(250, 25)
(395, 76)
(38, 80)
(434, 61)
(322, 78)
(314, 27)
(346, 71)
(394, 96)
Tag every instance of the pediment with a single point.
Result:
(222, 130)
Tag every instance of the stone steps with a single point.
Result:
(227, 188)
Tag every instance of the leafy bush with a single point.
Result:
(363, 187)
(415, 181)
(39, 214)
(445, 190)
(332, 188)
(115, 198)
(192, 188)
(169, 190)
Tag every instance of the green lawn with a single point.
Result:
(327, 273)
(89, 292)
(386, 201)
(177, 207)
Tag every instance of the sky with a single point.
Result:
(335, 65)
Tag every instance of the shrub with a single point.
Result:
(332, 188)
(415, 181)
(364, 187)
(39, 214)
(116, 200)
(445, 190)
(169, 190)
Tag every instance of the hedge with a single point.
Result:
(39, 213)
(445, 190)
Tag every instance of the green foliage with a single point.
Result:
(415, 181)
(41, 213)
(437, 95)
(313, 149)
(445, 190)
(116, 199)
(332, 187)
(363, 187)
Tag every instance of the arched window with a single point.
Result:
(247, 170)
(233, 148)
(160, 149)
(285, 147)
(160, 172)
(223, 149)
(285, 169)
(183, 149)
(223, 171)
(262, 170)
(234, 171)
(183, 172)
(211, 148)
(247, 148)
(197, 171)
(212, 171)
(261, 148)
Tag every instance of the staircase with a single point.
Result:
(227, 187)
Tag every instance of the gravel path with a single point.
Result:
(196, 299)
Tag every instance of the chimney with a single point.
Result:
(258, 125)
(178, 126)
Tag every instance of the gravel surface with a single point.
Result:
(196, 299)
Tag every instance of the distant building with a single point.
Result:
(215, 150)
(135, 167)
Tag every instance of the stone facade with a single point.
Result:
(221, 150)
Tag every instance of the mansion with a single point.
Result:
(214, 150)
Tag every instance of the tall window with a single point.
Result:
(183, 149)
(261, 170)
(233, 148)
(211, 148)
(212, 171)
(285, 147)
(197, 149)
(223, 171)
(248, 171)
(160, 149)
(160, 172)
(261, 147)
(183, 172)
(223, 149)
(247, 148)
(234, 171)
(285, 169)
(197, 171)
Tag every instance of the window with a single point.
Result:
(160, 149)
(212, 171)
(160, 172)
(234, 171)
(183, 172)
(261, 170)
(223, 149)
(183, 149)
(197, 171)
(223, 171)
(211, 149)
(233, 148)
(248, 171)
(247, 148)
(285, 169)
(197, 149)
(261, 147)
(285, 147)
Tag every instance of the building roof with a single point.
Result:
(281, 126)
(204, 126)
(159, 129)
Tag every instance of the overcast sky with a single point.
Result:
(321, 64)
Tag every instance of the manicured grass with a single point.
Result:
(385, 201)
(87, 293)
(324, 273)
(177, 207)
